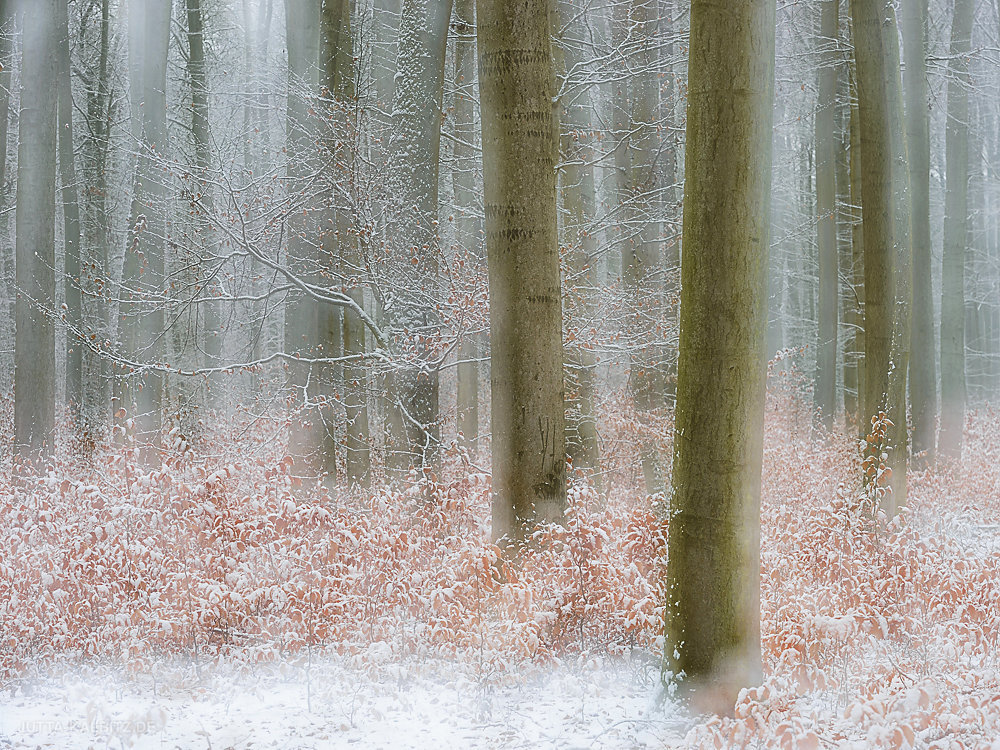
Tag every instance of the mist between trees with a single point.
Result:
(411, 237)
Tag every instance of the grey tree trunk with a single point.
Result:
(826, 210)
(142, 310)
(414, 430)
(956, 212)
(339, 79)
(100, 108)
(467, 226)
(923, 368)
(305, 442)
(578, 197)
(642, 257)
(519, 149)
(713, 559)
(34, 334)
(858, 266)
(876, 202)
(73, 314)
(903, 267)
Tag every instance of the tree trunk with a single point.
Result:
(34, 336)
(642, 258)
(923, 369)
(302, 24)
(713, 560)
(519, 148)
(955, 235)
(902, 265)
(414, 420)
(826, 210)
(876, 201)
(73, 314)
(467, 226)
(100, 107)
(572, 122)
(858, 266)
(142, 312)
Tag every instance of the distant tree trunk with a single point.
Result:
(849, 316)
(642, 257)
(467, 226)
(826, 209)
(956, 212)
(338, 49)
(413, 408)
(100, 107)
(876, 201)
(7, 293)
(572, 121)
(903, 266)
(713, 559)
(302, 24)
(142, 315)
(73, 315)
(858, 266)
(34, 336)
(519, 148)
(923, 369)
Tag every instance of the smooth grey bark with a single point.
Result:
(849, 311)
(97, 221)
(902, 268)
(467, 226)
(713, 559)
(302, 26)
(577, 192)
(72, 316)
(519, 150)
(642, 256)
(858, 266)
(877, 209)
(142, 309)
(956, 210)
(923, 367)
(34, 334)
(826, 209)
(413, 408)
(7, 293)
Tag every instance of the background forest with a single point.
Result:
(341, 341)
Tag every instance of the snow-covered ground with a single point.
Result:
(572, 706)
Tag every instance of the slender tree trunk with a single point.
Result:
(519, 148)
(923, 369)
(826, 210)
(100, 107)
(34, 336)
(713, 562)
(845, 218)
(876, 201)
(302, 24)
(956, 212)
(572, 122)
(143, 314)
(73, 314)
(642, 260)
(414, 419)
(7, 293)
(467, 226)
(858, 266)
(903, 267)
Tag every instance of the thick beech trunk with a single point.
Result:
(713, 562)
(519, 147)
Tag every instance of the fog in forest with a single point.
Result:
(502, 373)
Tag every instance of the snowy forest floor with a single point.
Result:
(425, 706)
(212, 603)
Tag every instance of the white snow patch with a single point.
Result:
(403, 706)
